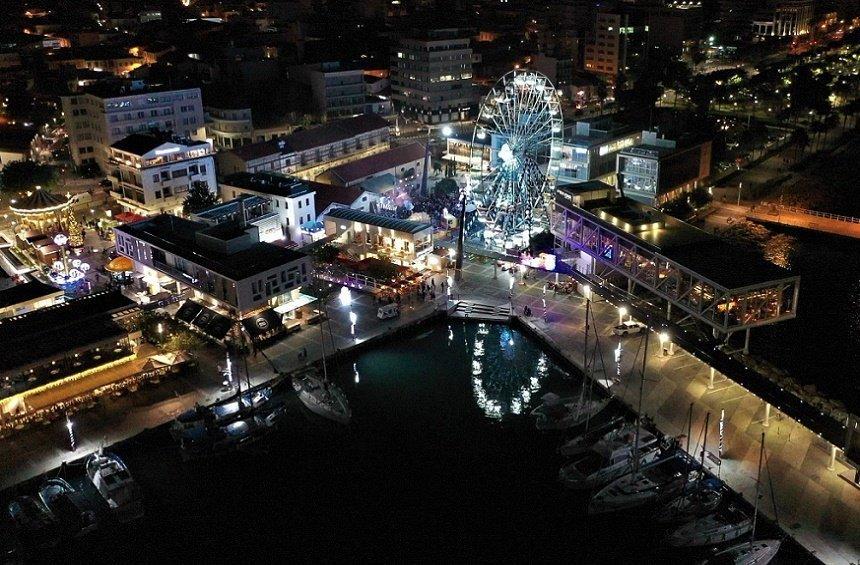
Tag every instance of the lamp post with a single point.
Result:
(352, 320)
(622, 311)
(71, 429)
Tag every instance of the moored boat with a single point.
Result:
(321, 397)
(115, 484)
(651, 484)
(724, 525)
(700, 500)
(759, 552)
(608, 460)
(36, 526)
(61, 499)
(556, 413)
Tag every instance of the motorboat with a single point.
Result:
(220, 412)
(652, 483)
(322, 397)
(608, 460)
(114, 482)
(61, 499)
(586, 440)
(699, 501)
(204, 441)
(35, 524)
(556, 413)
(759, 552)
(724, 525)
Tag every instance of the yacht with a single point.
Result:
(112, 479)
(758, 552)
(35, 524)
(586, 440)
(556, 413)
(220, 412)
(60, 498)
(724, 525)
(610, 459)
(700, 501)
(651, 483)
(321, 397)
(211, 440)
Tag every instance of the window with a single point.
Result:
(192, 170)
(180, 173)
(155, 177)
(165, 175)
(157, 194)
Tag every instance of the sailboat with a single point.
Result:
(609, 431)
(608, 460)
(753, 552)
(319, 395)
(556, 413)
(703, 498)
(646, 484)
(724, 525)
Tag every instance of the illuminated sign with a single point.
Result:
(617, 145)
(167, 151)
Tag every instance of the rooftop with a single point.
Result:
(327, 194)
(40, 200)
(406, 226)
(118, 88)
(719, 261)
(178, 236)
(140, 143)
(231, 208)
(276, 184)
(361, 168)
(32, 290)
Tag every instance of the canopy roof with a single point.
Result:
(39, 202)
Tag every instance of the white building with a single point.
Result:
(369, 235)
(787, 18)
(431, 76)
(225, 264)
(406, 163)
(229, 128)
(103, 115)
(152, 173)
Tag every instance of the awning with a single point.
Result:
(263, 325)
(212, 323)
(188, 311)
(302, 300)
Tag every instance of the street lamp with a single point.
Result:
(345, 296)
(352, 320)
(586, 293)
(447, 131)
(70, 427)
(622, 311)
(664, 339)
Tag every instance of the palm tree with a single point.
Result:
(800, 139)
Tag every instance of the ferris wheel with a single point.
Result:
(515, 153)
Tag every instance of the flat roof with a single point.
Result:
(407, 226)
(575, 188)
(55, 330)
(31, 290)
(712, 257)
(140, 144)
(276, 184)
(178, 236)
(231, 207)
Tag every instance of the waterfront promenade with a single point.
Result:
(816, 506)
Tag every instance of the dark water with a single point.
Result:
(822, 345)
(440, 462)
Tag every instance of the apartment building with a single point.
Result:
(338, 89)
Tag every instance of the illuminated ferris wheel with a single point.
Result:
(515, 153)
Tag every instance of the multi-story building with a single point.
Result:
(101, 116)
(786, 18)
(229, 128)
(657, 170)
(151, 174)
(589, 151)
(96, 58)
(606, 54)
(405, 163)
(225, 265)
(431, 75)
(338, 90)
(309, 152)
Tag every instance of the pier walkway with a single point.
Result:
(771, 213)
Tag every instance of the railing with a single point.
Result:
(808, 212)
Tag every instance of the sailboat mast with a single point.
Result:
(639, 408)
(322, 342)
(705, 440)
(757, 490)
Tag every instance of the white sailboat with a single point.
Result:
(753, 552)
(319, 395)
(721, 526)
(608, 460)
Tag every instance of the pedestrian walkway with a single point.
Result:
(805, 219)
(816, 506)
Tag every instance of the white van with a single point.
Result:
(388, 311)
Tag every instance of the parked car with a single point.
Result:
(629, 327)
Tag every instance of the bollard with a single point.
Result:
(766, 422)
(832, 466)
(711, 380)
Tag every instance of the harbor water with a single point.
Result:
(441, 461)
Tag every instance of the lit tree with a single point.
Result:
(198, 198)
(75, 229)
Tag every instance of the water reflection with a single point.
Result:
(505, 374)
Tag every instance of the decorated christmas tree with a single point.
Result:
(75, 229)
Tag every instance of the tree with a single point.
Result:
(18, 176)
(198, 198)
(327, 253)
(446, 186)
(800, 140)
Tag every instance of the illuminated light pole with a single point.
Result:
(228, 374)
(511, 292)
(71, 429)
(345, 296)
(352, 320)
(711, 384)
(622, 311)
(586, 294)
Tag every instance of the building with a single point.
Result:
(299, 204)
(61, 344)
(152, 173)
(786, 18)
(370, 235)
(406, 163)
(255, 210)
(106, 113)
(15, 145)
(117, 61)
(338, 89)
(26, 297)
(461, 152)
(225, 265)
(657, 170)
(229, 127)
(590, 149)
(431, 76)
(606, 54)
(669, 263)
(309, 152)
